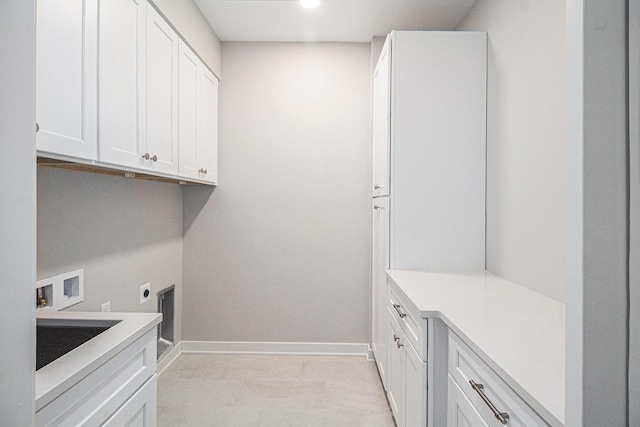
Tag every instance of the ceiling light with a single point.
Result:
(310, 4)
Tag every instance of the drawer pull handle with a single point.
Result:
(377, 187)
(396, 338)
(401, 314)
(398, 344)
(503, 417)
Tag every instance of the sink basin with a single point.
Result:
(57, 337)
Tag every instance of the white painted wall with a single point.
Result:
(17, 212)
(194, 28)
(123, 232)
(280, 250)
(527, 159)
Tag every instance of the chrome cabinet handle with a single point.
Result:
(37, 127)
(376, 207)
(377, 187)
(503, 417)
(146, 156)
(154, 158)
(401, 314)
(203, 171)
(396, 338)
(398, 344)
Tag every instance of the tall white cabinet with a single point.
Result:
(429, 144)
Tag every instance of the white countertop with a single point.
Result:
(55, 378)
(519, 333)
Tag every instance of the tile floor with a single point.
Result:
(265, 390)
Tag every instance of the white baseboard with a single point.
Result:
(169, 358)
(300, 348)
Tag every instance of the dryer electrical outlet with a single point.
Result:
(145, 292)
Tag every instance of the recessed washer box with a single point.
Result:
(61, 291)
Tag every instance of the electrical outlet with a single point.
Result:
(145, 292)
(106, 307)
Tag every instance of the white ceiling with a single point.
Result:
(334, 20)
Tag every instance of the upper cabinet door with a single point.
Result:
(189, 65)
(66, 78)
(162, 94)
(122, 59)
(208, 126)
(198, 118)
(382, 122)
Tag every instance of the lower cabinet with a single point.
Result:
(479, 397)
(122, 391)
(407, 378)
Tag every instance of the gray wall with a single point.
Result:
(123, 232)
(280, 250)
(194, 28)
(17, 212)
(527, 159)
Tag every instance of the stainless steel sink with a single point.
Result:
(57, 337)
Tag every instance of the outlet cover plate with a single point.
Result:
(145, 288)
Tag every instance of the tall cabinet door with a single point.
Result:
(162, 94)
(121, 100)
(66, 75)
(382, 121)
(396, 365)
(380, 263)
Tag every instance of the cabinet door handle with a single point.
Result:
(396, 338)
(154, 158)
(37, 127)
(398, 344)
(503, 417)
(377, 187)
(203, 171)
(376, 207)
(146, 156)
(401, 314)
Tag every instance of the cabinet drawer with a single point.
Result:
(466, 366)
(141, 410)
(94, 398)
(411, 323)
(460, 411)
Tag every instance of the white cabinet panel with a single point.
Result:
(140, 410)
(396, 370)
(198, 118)
(122, 71)
(208, 125)
(188, 111)
(381, 122)
(416, 389)
(162, 94)
(66, 76)
(380, 262)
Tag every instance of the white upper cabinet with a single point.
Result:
(198, 118)
(66, 78)
(381, 122)
(122, 89)
(162, 94)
